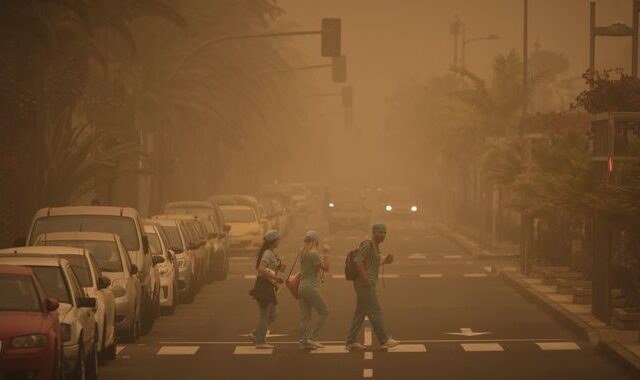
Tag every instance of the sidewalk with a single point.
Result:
(623, 345)
(501, 250)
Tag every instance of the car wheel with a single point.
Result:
(92, 364)
(80, 371)
(174, 300)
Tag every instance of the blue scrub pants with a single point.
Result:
(367, 305)
(309, 299)
(267, 315)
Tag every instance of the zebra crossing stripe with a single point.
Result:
(481, 347)
(558, 346)
(431, 275)
(475, 275)
(178, 350)
(251, 350)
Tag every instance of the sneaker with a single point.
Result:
(355, 346)
(389, 343)
(315, 343)
(264, 346)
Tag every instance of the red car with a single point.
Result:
(30, 338)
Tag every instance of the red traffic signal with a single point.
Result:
(331, 31)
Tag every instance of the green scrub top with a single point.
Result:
(309, 269)
(369, 251)
(271, 259)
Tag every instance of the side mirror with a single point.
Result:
(103, 282)
(20, 242)
(157, 259)
(51, 304)
(227, 228)
(177, 250)
(86, 302)
(145, 244)
(134, 269)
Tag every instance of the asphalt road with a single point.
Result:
(456, 319)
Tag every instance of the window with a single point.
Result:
(80, 267)
(76, 288)
(105, 253)
(242, 215)
(18, 293)
(173, 235)
(53, 283)
(123, 226)
(154, 244)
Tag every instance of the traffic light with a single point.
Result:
(339, 69)
(347, 96)
(331, 31)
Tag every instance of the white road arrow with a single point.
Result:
(466, 331)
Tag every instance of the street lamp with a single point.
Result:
(617, 29)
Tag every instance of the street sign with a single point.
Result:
(331, 35)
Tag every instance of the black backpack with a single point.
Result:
(350, 270)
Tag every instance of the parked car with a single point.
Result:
(123, 221)
(185, 258)
(216, 231)
(196, 244)
(75, 313)
(271, 213)
(114, 263)
(95, 285)
(160, 249)
(246, 232)
(30, 333)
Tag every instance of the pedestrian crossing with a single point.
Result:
(338, 349)
(405, 276)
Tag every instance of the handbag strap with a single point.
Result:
(294, 264)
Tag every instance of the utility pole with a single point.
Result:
(525, 62)
(454, 29)
(634, 56)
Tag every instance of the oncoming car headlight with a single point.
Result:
(332, 205)
(388, 208)
(414, 208)
(29, 341)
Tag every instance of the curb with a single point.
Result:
(621, 354)
(567, 319)
(469, 245)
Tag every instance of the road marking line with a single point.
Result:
(367, 336)
(416, 256)
(119, 349)
(449, 257)
(367, 373)
(558, 346)
(368, 356)
(245, 342)
(251, 350)
(475, 275)
(333, 349)
(337, 276)
(250, 277)
(390, 276)
(488, 269)
(178, 350)
(125, 357)
(239, 258)
(430, 275)
(408, 348)
(481, 347)
(366, 318)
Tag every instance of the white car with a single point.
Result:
(159, 247)
(185, 258)
(76, 311)
(95, 285)
(115, 264)
(123, 221)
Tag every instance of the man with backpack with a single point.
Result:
(363, 267)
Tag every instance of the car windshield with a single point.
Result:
(174, 237)
(238, 215)
(119, 225)
(18, 293)
(154, 243)
(80, 267)
(105, 253)
(190, 210)
(53, 282)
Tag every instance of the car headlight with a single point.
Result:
(332, 205)
(66, 332)
(29, 341)
(414, 208)
(119, 287)
(388, 208)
